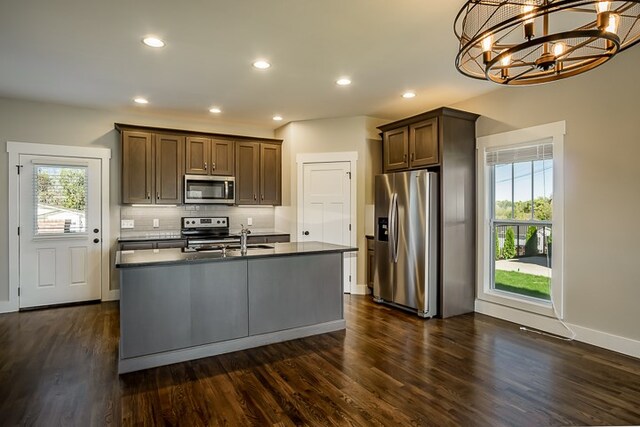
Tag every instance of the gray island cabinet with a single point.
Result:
(177, 305)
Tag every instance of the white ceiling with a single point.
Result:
(87, 52)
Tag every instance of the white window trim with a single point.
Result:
(14, 150)
(554, 132)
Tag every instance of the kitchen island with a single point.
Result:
(177, 305)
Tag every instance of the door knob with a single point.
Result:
(306, 233)
(96, 240)
(95, 230)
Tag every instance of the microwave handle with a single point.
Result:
(226, 190)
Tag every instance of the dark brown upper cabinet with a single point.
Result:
(258, 173)
(270, 174)
(137, 167)
(207, 156)
(423, 143)
(395, 149)
(411, 146)
(151, 168)
(169, 158)
(155, 160)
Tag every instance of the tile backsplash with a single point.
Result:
(169, 218)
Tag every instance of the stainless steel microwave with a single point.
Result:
(203, 189)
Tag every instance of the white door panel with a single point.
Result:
(327, 206)
(60, 230)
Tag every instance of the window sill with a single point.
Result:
(524, 303)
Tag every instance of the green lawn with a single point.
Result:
(523, 284)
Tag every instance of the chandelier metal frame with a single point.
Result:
(498, 40)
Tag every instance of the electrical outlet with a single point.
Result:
(127, 223)
(156, 223)
(249, 221)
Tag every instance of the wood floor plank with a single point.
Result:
(59, 367)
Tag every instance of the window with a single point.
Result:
(61, 199)
(520, 210)
(522, 197)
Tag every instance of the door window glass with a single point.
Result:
(60, 199)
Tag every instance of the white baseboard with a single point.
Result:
(113, 295)
(8, 306)
(551, 325)
(359, 290)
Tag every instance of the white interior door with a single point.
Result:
(326, 215)
(60, 230)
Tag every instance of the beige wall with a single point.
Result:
(602, 183)
(324, 136)
(25, 121)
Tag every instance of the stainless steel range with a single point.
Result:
(207, 233)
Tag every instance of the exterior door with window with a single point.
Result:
(60, 230)
(327, 207)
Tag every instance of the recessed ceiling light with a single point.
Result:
(140, 100)
(153, 42)
(215, 110)
(261, 64)
(277, 118)
(343, 81)
(409, 94)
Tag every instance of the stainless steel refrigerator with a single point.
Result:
(406, 241)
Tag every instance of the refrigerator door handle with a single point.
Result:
(390, 227)
(394, 226)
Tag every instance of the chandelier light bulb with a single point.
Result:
(487, 43)
(527, 9)
(603, 6)
(558, 49)
(614, 20)
(506, 61)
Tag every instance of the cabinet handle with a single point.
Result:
(412, 156)
(254, 196)
(158, 195)
(263, 197)
(213, 166)
(205, 165)
(404, 158)
(148, 195)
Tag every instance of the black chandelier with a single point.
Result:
(522, 42)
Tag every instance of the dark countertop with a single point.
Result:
(158, 257)
(176, 235)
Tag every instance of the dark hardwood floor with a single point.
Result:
(58, 367)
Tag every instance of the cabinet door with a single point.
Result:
(277, 239)
(247, 173)
(155, 306)
(169, 159)
(135, 246)
(270, 174)
(137, 167)
(371, 262)
(423, 143)
(198, 155)
(171, 244)
(219, 310)
(222, 157)
(395, 149)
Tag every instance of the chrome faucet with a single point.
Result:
(243, 239)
